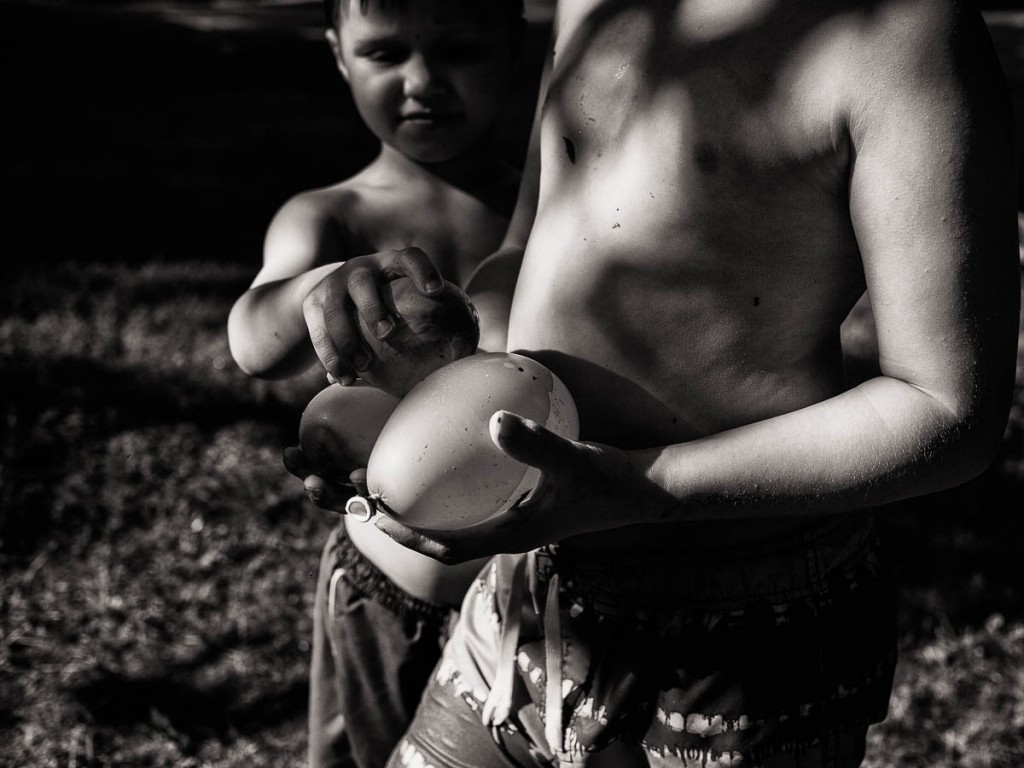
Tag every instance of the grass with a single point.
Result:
(157, 562)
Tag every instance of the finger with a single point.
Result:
(325, 494)
(315, 313)
(364, 289)
(421, 270)
(295, 461)
(343, 327)
(527, 441)
(358, 479)
(410, 539)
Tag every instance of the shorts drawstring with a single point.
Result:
(553, 668)
(497, 708)
(498, 705)
(332, 591)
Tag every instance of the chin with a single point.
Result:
(432, 155)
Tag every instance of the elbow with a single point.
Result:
(240, 342)
(258, 357)
(980, 438)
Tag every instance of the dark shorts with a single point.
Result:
(374, 647)
(764, 658)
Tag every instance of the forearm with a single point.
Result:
(267, 332)
(881, 442)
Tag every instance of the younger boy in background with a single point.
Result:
(430, 79)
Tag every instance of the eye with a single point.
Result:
(385, 55)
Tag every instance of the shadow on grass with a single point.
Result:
(957, 553)
(193, 713)
(114, 397)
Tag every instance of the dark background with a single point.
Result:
(176, 128)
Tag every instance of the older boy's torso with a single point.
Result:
(693, 256)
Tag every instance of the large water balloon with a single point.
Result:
(434, 466)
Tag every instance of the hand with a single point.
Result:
(322, 492)
(584, 487)
(330, 308)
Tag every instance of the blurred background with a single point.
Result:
(157, 563)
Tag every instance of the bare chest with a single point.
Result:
(713, 110)
(456, 234)
(693, 231)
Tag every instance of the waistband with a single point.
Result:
(832, 556)
(365, 577)
(820, 558)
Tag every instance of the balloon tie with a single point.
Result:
(362, 508)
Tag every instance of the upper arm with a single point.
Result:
(932, 200)
(266, 330)
(493, 281)
(303, 234)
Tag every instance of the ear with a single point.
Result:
(335, 43)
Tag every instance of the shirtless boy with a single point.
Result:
(719, 181)
(429, 78)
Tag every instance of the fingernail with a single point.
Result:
(314, 494)
(331, 379)
(383, 328)
(433, 285)
(500, 423)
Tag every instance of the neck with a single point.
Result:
(471, 171)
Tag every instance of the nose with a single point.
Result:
(421, 77)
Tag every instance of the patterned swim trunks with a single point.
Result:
(773, 658)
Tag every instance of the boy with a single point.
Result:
(718, 184)
(430, 79)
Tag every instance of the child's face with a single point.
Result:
(428, 78)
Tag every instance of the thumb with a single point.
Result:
(527, 441)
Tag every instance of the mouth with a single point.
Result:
(429, 117)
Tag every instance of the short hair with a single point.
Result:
(511, 10)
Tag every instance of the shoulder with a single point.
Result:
(905, 45)
(311, 227)
(924, 61)
(316, 210)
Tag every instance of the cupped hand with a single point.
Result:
(584, 488)
(332, 307)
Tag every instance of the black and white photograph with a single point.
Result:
(512, 384)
